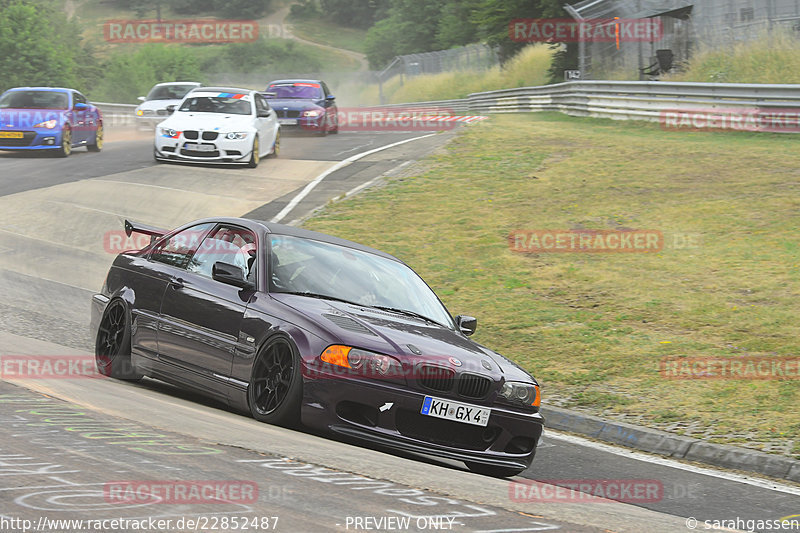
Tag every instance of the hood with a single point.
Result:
(155, 105)
(182, 120)
(293, 103)
(27, 118)
(400, 336)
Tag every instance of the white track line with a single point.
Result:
(341, 164)
(671, 463)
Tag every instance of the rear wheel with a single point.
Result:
(276, 384)
(255, 156)
(494, 471)
(112, 351)
(276, 148)
(98, 139)
(66, 143)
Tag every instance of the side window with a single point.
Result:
(78, 98)
(178, 249)
(229, 244)
(261, 105)
(326, 90)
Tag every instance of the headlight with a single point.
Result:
(169, 132)
(364, 363)
(312, 113)
(49, 124)
(139, 112)
(236, 135)
(523, 394)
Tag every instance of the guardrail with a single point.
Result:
(116, 115)
(633, 100)
(623, 100)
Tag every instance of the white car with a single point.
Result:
(219, 125)
(153, 108)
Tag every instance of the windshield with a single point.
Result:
(318, 268)
(169, 92)
(217, 104)
(307, 91)
(35, 100)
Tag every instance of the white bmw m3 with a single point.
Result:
(219, 125)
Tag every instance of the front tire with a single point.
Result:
(494, 471)
(98, 139)
(66, 143)
(255, 156)
(276, 384)
(112, 352)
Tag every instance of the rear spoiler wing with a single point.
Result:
(134, 227)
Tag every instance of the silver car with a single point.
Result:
(153, 108)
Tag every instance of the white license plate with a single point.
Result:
(287, 121)
(460, 412)
(200, 147)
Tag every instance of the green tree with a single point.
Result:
(129, 75)
(36, 48)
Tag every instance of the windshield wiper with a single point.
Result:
(318, 296)
(405, 312)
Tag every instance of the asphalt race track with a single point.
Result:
(66, 442)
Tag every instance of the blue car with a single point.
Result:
(49, 118)
(303, 105)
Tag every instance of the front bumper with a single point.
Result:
(220, 150)
(33, 139)
(352, 407)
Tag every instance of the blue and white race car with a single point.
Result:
(49, 118)
(219, 125)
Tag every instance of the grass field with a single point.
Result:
(528, 68)
(321, 31)
(593, 327)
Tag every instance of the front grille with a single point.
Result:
(210, 135)
(190, 134)
(288, 114)
(435, 377)
(26, 140)
(447, 432)
(192, 153)
(473, 386)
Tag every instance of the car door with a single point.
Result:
(152, 274)
(266, 120)
(200, 317)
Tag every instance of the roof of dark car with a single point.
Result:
(293, 80)
(282, 229)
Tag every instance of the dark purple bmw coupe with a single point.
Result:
(295, 326)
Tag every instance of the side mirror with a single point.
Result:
(466, 324)
(230, 274)
(264, 114)
(80, 106)
(170, 109)
(330, 97)
(142, 98)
